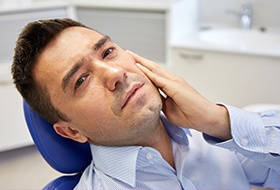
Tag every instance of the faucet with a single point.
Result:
(245, 16)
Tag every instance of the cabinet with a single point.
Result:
(13, 19)
(142, 31)
(230, 78)
(14, 132)
(144, 27)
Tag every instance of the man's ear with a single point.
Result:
(65, 130)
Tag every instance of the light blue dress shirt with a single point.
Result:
(202, 162)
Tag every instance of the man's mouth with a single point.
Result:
(130, 93)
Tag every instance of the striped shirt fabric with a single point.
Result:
(252, 157)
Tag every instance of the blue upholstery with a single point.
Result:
(64, 155)
(64, 182)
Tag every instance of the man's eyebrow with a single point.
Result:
(71, 73)
(78, 65)
(101, 42)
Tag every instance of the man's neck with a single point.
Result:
(165, 148)
(162, 143)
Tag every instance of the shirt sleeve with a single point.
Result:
(256, 137)
(255, 132)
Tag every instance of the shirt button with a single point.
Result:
(149, 156)
(244, 141)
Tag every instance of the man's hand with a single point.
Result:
(183, 105)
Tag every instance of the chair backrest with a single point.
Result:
(64, 155)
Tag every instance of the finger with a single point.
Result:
(172, 111)
(143, 61)
(158, 80)
(166, 85)
(152, 66)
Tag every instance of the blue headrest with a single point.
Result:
(64, 155)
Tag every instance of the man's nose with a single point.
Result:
(113, 74)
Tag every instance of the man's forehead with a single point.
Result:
(83, 31)
(73, 37)
(70, 41)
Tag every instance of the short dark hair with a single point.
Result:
(32, 41)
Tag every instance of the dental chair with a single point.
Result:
(64, 155)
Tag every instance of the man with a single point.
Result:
(93, 91)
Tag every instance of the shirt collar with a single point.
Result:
(116, 162)
(120, 162)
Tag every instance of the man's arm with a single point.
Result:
(256, 140)
(257, 132)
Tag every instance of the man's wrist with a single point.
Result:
(218, 123)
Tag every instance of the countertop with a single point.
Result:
(193, 42)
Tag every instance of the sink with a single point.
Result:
(239, 38)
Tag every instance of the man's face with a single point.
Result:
(97, 85)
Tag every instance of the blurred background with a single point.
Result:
(229, 50)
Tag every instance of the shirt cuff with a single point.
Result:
(247, 130)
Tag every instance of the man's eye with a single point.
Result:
(108, 52)
(80, 82)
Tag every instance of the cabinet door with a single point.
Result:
(234, 79)
(14, 132)
(13, 21)
(141, 31)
